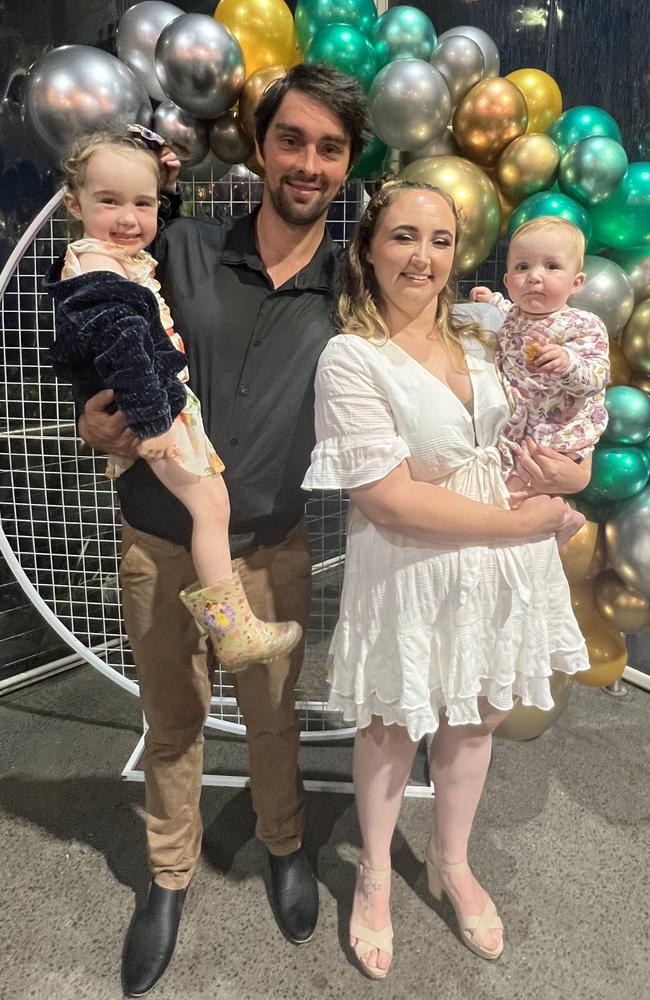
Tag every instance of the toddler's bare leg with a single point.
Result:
(206, 499)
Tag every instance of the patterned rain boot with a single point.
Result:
(238, 637)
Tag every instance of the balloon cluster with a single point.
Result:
(208, 74)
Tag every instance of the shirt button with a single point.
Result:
(243, 391)
(234, 441)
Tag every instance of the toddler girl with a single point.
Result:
(115, 331)
(554, 360)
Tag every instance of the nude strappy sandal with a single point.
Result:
(473, 929)
(368, 940)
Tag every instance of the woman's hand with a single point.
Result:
(107, 432)
(154, 448)
(539, 517)
(547, 471)
(170, 167)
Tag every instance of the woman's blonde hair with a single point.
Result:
(360, 300)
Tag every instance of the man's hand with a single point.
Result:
(480, 294)
(552, 359)
(170, 168)
(104, 431)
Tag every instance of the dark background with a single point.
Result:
(597, 50)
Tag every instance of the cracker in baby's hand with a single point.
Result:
(531, 353)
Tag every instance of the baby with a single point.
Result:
(554, 360)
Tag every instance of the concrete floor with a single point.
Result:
(562, 841)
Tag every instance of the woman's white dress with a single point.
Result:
(428, 625)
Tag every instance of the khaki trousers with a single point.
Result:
(174, 665)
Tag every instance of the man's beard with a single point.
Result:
(298, 215)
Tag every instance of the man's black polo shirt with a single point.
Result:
(252, 353)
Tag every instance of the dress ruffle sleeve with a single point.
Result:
(356, 439)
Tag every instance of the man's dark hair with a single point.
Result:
(340, 94)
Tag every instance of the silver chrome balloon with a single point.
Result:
(186, 135)
(227, 139)
(199, 65)
(460, 62)
(607, 292)
(409, 104)
(636, 264)
(444, 145)
(628, 541)
(137, 33)
(77, 88)
(484, 42)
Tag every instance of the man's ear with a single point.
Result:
(258, 153)
(72, 205)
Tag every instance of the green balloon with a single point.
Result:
(345, 48)
(592, 506)
(373, 161)
(312, 15)
(617, 473)
(629, 415)
(591, 169)
(581, 122)
(624, 219)
(403, 33)
(550, 203)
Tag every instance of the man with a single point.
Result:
(253, 300)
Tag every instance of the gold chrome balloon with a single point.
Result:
(542, 95)
(635, 340)
(507, 208)
(490, 116)
(251, 95)
(619, 368)
(475, 198)
(583, 556)
(605, 644)
(525, 722)
(263, 28)
(527, 165)
(639, 380)
(624, 607)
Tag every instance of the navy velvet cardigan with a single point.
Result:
(109, 336)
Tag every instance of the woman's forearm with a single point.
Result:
(436, 515)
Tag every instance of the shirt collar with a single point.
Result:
(241, 248)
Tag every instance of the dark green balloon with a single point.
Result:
(617, 473)
(345, 48)
(581, 122)
(591, 169)
(629, 415)
(624, 219)
(373, 161)
(312, 15)
(550, 203)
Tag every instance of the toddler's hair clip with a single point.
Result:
(150, 138)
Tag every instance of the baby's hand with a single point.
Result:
(480, 294)
(155, 448)
(551, 359)
(171, 166)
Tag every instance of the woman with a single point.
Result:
(453, 604)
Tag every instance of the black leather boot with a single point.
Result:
(151, 939)
(294, 895)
